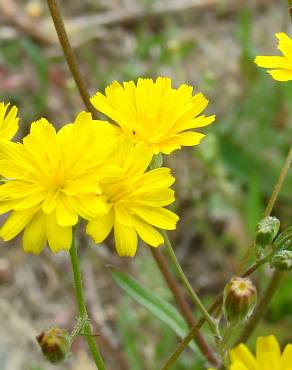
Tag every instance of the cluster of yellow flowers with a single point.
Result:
(100, 171)
(96, 170)
(268, 356)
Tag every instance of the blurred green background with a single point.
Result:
(222, 186)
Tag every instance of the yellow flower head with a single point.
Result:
(268, 356)
(8, 121)
(280, 67)
(137, 199)
(155, 113)
(52, 178)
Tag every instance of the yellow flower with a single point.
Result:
(268, 356)
(52, 178)
(8, 121)
(137, 199)
(280, 67)
(155, 113)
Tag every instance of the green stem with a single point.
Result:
(271, 202)
(183, 305)
(290, 8)
(186, 340)
(224, 345)
(279, 184)
(82, 311)
(216, 304)
(211, 321)
(69, 54)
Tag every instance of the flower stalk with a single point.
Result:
(82, 311)
(69, 53)
(213, 323)
(184, 307)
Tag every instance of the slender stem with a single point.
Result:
(261, 307)
(272, 199)
(69, 53)
(257, 264)
(224, 345)
(183, 305)
(191, 334)
(275, 281)
(218, 301)
(279, 184)
(82, 311)
(211, 321)
(290, 8)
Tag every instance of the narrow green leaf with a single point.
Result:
(158, 306)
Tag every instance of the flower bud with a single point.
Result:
(284, 240)
(266, 230)
(239, 300)
(282, 260)
(55, 344)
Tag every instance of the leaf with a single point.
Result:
(158, 306)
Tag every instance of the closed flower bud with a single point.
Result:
(266, 230)
(239, 300)
(282, 260)
(55, 344)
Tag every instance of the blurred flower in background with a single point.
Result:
(280, 67)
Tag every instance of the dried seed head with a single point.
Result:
(55, 344)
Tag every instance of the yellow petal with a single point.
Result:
(66, 215)
(158, 216)
(190, 138)
(158, 178)
(267, 344)
(281, 75)
(242, 355)
(89, 206)
(155, 197)
(147, 232)
(34, 236)
(100, 227)
(238, 366)
(272, 62)
(126, 240)
(59, 237)
(286, 360)
(15, 223)
(269, 361)
(123, 215)
(285, 44)
(8, 121)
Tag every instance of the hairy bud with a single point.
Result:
(266, 230)
(282, 260)
(55, 344)
(239, 300)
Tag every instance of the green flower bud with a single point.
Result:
(283, 240)
(282, 260)
(266, 230)
(239, 300)
(55, 344)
